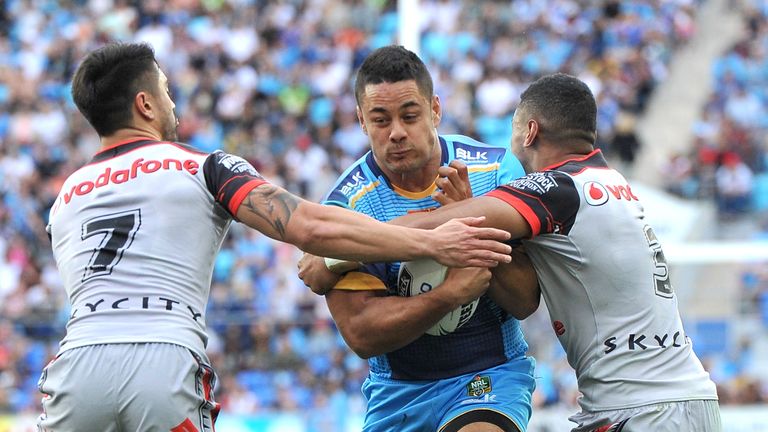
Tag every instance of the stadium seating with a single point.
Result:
(261, 100)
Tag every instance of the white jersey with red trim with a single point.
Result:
(135, 234)
(606, 284)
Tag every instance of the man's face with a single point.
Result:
(401, 126)
(169, 121)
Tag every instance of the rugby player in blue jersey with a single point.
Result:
(477, 378)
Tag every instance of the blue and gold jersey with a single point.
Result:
(491, 337)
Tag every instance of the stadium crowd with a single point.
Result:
(729, 159)
(271, 81)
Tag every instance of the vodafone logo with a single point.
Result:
(595, 194)
(138, 167)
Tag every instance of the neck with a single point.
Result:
(547, 159)
(416, 180)
(128, 133)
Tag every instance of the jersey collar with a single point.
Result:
(593, 159)
(121, 148)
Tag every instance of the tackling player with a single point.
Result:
(135, 233)
(477, 378)
(601, 269)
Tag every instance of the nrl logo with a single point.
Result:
(479, 386)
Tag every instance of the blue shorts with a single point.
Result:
(502, 392)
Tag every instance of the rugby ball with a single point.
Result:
(421, 276)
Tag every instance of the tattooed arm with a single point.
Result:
(340, 233)
(269, 208)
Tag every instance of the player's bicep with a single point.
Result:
(349, 301)
(269, 209)
(497, 213)
(501, 215)
(232, 180)
(347, 308)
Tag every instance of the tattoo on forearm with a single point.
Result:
(273, 205)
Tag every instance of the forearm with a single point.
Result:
(497, 214)
(378, 325)
(423, 220)
(339, 233)
(327, 230)
(515, 286)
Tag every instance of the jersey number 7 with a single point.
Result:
(118, 230)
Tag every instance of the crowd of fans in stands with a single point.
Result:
(729, 159)
(271, 81)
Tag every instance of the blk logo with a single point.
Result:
(470, 156)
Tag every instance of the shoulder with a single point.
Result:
(185, 148)
(219, 160)
(543, 182)
(483, 157)
(357, 180)
(473, 152)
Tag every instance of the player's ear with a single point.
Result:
(142, 102)
(360, 119)
(437, 111)
(532, 133)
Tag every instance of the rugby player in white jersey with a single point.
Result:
(135, 233)
(601, 269)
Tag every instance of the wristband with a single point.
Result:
(341, 266)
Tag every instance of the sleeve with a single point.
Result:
(547, 200)
(229, 179)
(346, 185)
(368, 277)
(337, 199)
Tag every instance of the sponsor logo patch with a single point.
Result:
(479, 386)
(138, 167)
(539, 182)
(469, 155)
(404, 284)
(595, 194)
(353, 184)
(238, 165)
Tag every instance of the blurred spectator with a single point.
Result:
(731, 161)
(625, 143)
(307, 163)
(680, 176)
(734, 186)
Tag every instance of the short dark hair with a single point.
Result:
(108, 79)
(564, 106)
(391, 64)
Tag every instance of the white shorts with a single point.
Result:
(684, 416)
(128, 387)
